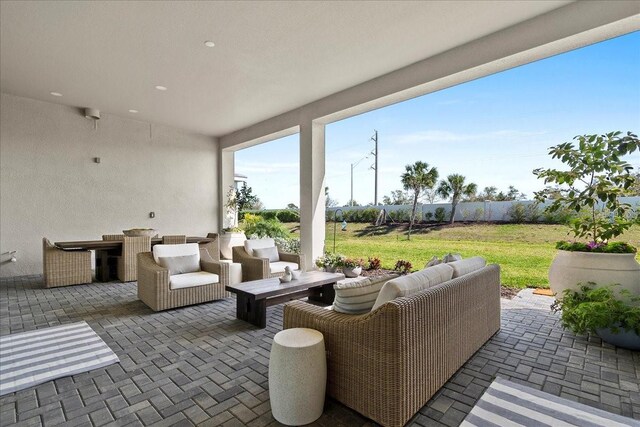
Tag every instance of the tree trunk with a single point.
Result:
(454, 203)
(413, 214)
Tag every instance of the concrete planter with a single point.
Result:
(351, 272)
(229, 240)
(624, 339)
(570, 268)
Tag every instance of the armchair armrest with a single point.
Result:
(219, 268)
(253, 268)
(153, 280)
(297, 258)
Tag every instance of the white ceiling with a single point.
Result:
(269, 58)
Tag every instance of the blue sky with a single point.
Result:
(494, 130)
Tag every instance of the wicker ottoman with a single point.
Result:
(297, 376)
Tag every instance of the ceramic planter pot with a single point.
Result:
(229, 240)
(624, 339)
(351, 272)
(570, 268)
(331, 269)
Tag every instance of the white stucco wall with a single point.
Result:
(51, 187)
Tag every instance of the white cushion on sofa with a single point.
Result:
(278, 267)
(251, 244)
(189, 280)
(466, 266)
(413, 283)
(357, 296)
(175, 250)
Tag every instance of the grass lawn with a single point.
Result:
(524, 251)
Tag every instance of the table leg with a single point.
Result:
(251, 310)
(102, 266)
(324, 294)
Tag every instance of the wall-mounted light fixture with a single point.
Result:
(96, 160)
(13, 255)
(152, 214)
(94, 114)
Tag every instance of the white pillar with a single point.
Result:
(226, 167)
(312, 203)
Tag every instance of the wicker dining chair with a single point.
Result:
(63, 268)
(174, 240)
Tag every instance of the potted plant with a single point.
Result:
(613, 316)
(330, 262)
(231, 235)
(352, 267)
(596, 178)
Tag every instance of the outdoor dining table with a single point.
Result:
(104, 248)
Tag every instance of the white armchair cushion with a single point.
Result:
(413, 283)
(278, 267)
(189, 280)
(271, 253)
(251, 244)
(175, 250)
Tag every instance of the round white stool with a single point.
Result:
(297, 376)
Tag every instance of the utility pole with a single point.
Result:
(374, 138)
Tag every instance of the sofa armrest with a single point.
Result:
(297, 258)
(253, 268)
(219, 268)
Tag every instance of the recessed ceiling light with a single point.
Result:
(55, 93)
(133, 111)
(209, 43)
(161, 88)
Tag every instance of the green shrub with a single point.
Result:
(560, 216)
(590, 309)
(440, 214)
(288, 215)
(268, 214)
(517, 213)
(428, 216)
(533, 213)
(256, 225)
(401, 215)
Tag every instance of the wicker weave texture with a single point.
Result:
(154, 290)
(128, 261)
(254, 268)
(174, 240)
(113, 237)
(63, 268)
(387, 364)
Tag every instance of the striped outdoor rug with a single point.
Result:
(509, 404)
(34, 357)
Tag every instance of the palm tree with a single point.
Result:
(455, 188)
(417, 178)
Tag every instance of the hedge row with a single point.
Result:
(285, 215)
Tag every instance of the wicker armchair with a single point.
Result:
(388, 363)
(63, 268)
(254, 268)
(156, 291)
(174, 240)
(127, 259)
(212, 247)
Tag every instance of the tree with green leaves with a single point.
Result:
(455, 187)
(417, 178)
(597, 176)
(246, 200)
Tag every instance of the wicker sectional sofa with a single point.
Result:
(388, 363)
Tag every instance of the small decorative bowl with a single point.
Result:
(284, 280)
(295, 274)
(139, 232)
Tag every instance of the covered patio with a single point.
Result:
(199, 365)
(162, 156)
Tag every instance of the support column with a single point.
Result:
(312, 198)
(226, 167)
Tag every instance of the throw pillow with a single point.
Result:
(451, 257)
(357, 297)
(413, 283)
(271, 253)
(180, 264)
(466, 266)
(433, 261)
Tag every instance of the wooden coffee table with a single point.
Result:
(255, 296)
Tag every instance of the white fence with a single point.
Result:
(472, 211)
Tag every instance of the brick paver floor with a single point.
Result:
(198, 365)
